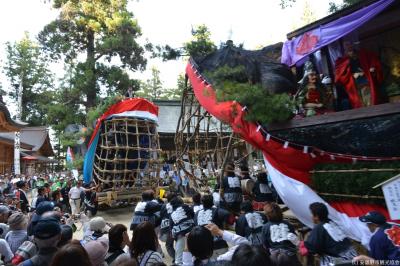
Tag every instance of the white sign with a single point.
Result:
(17, 166)
(391, 191)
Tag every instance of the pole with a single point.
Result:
(17, 136)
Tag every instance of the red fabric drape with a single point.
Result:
(344, 76)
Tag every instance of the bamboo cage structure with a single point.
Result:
(127, 155)
(202, 142)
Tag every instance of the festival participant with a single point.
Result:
(146, 210)
(17, 235)
(181, 223)
(218, 216)
(90, 200)
(250, 224)
(165, 232)
(196, 198)
(75, 197)
(41, 196)
(326, 238)
(384, 242)
(22, 188)
(262, 192)
(144, 246)
(244, 172)
(71, 254)
(117, 239)
(360, 72)
(279, 237)
(231, 190)
(65, 195)
(47, 234)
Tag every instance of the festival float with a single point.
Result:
(123, 152)
(319, 116)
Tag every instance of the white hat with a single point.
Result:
(98, 224)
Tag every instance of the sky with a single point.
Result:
(253, 23)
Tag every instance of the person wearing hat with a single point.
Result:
(98, 228)
(17, 234)
(97, 251)
(47, 234)
(43, 207)
(384, 243)
(311, 92)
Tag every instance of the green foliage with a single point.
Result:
(27, 66)
(95, 113)
(152, 88)
(105, 32)
(264, 107)
(333, 7)
(176, 93)
(353, 183)
(200, 46)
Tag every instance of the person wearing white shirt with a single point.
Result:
(75, 197)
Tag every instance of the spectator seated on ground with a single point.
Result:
(98, 228)
(248, 255)
(202, 253)
(97, 251)
(250, 224)
(71, 254)
(117, 239)
(41, 208)
(47, 234)
(5, 212)
(17, 234)
(143, 247)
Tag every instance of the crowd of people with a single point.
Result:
(223, 228)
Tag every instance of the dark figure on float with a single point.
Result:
(360, 72)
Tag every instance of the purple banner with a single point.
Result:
(298, 48)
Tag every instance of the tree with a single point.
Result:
(200, 45)
(152, 88)
(105, 33)
(176, 93)
(27, 66)
(308, 15)
(333, 7)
